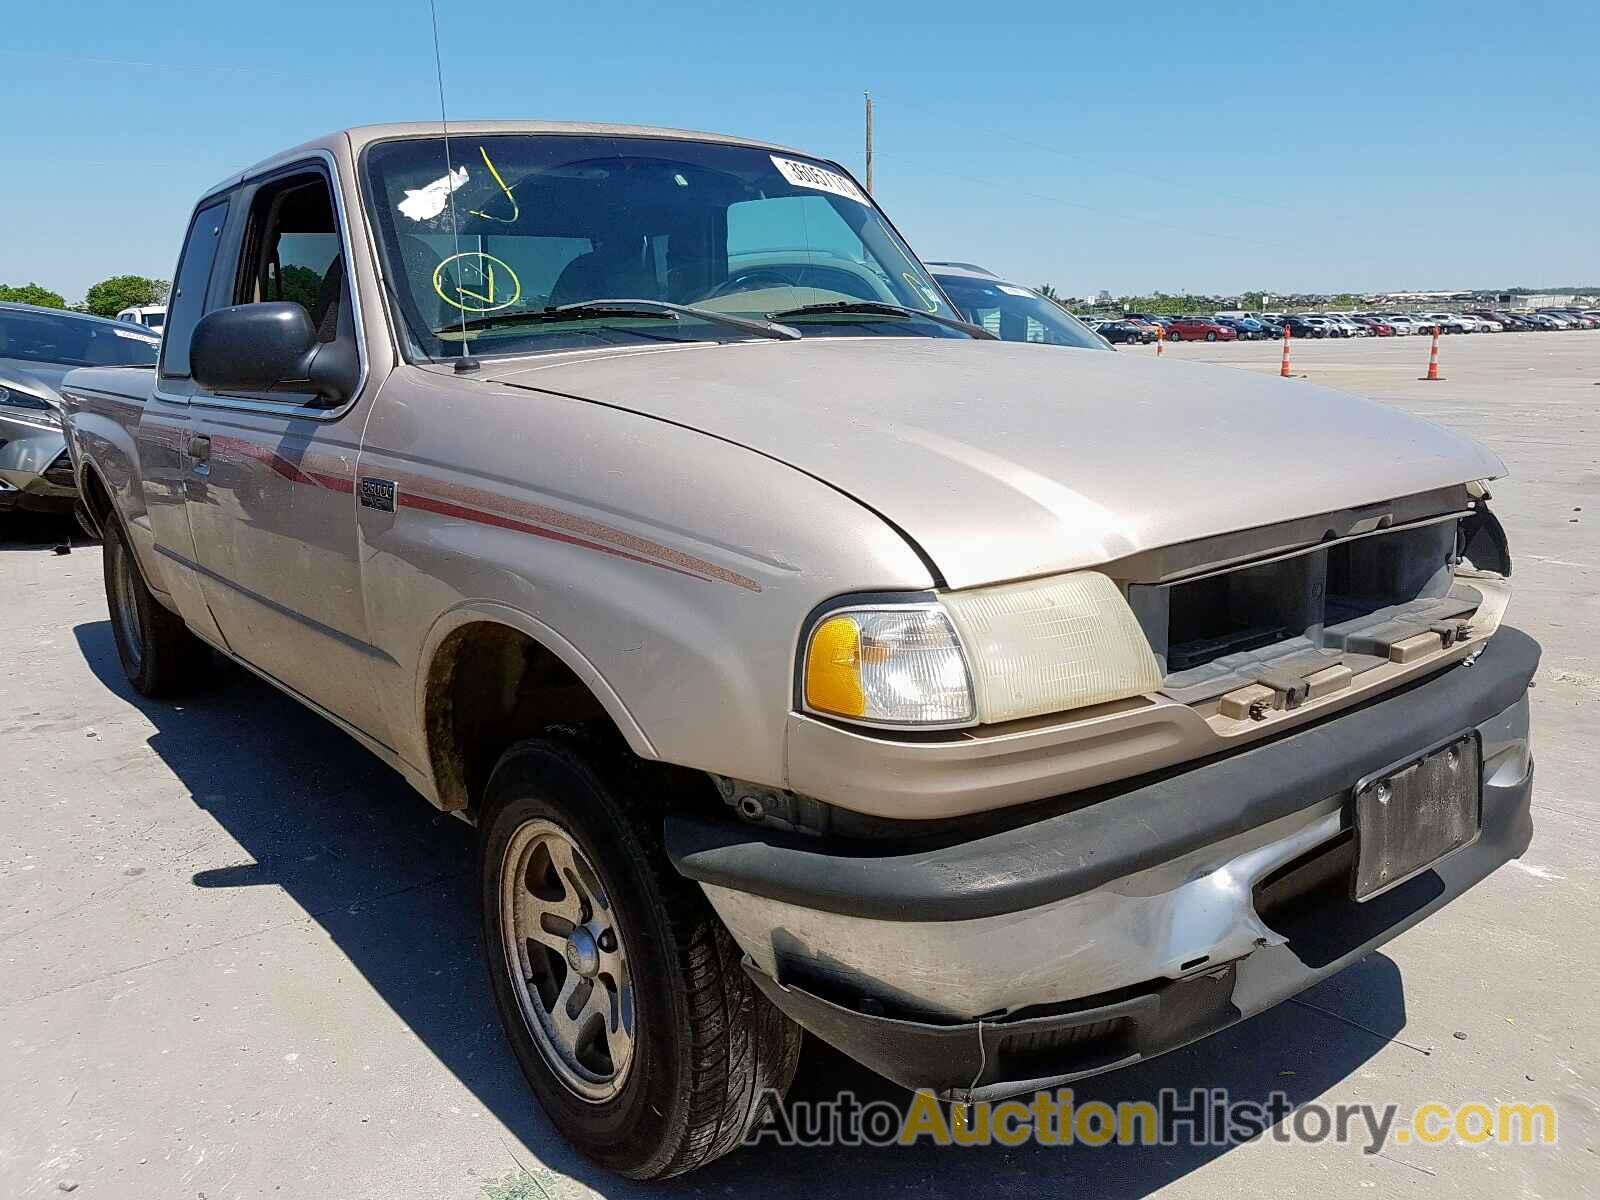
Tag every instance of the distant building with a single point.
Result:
(1541, 300)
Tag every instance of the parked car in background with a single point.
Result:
(1199, 329)
(1513, 322)
(1154, 320)
(1126, 332)
(1403, 324)
(1150, 325)
(37, 347)
(1304, 326)
(151, 316)
(1010, 311)
(1350, 326)
(1248, 328)
(1447, 323)
(1378, 326)
(1579, 318)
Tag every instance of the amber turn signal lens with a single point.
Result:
(833, 669)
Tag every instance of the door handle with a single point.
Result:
(200, 448)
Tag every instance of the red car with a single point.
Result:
(1199, 329)
(1379, 327)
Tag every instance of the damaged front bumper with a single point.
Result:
(1120, 926)
(35, 473)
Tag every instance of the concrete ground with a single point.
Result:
(238, 957)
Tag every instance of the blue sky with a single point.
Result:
(1204, 147)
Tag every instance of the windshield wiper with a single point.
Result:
(883, 309)
(590, 309)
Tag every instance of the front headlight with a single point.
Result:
(979, 656)
(37, 407)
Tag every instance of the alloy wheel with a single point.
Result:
(567, 960)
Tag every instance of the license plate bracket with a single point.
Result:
(1410, 816)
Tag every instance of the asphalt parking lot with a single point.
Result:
(238, 957)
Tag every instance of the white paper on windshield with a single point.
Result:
(144, 338)
(1015, 291)
(809, 175)
(425, 203)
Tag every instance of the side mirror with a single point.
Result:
(268, 346)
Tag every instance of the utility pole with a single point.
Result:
(868, 96)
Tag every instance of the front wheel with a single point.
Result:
(620, 991)
(1211, 337)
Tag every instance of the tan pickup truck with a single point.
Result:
(805, 658)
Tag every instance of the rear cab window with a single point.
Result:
(188, 301)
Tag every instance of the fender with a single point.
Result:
(469, 612)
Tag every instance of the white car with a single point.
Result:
(1447, 323)
(1402, 324)
(152, 316)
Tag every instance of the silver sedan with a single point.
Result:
(37, 347)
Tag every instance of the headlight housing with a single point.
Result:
(979, 656)
(37, 407)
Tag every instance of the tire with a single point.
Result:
(80, 514)
(1211, 337)
(1174, 336)
(159, 655)
(706, 1048)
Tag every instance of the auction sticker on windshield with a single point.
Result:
(809, 175)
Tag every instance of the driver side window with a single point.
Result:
(293, 252)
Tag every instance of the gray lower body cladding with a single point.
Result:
(1084, 943)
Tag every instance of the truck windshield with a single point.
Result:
(521, 223)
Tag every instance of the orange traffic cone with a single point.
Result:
(1284, 370)
(1161, 337)
(1433, 359)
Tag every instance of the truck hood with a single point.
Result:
(1004, 460)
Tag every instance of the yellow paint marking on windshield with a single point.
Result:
(928, 297)
(516, 210)
(487, 273)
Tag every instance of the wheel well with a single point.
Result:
(490, 685)
(96, 496)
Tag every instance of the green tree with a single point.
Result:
(302, 285)
(110, 296)
(31, 293)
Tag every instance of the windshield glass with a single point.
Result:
(73, 341)
(1017, 314)
(545, 220)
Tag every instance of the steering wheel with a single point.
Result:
(751, 280)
